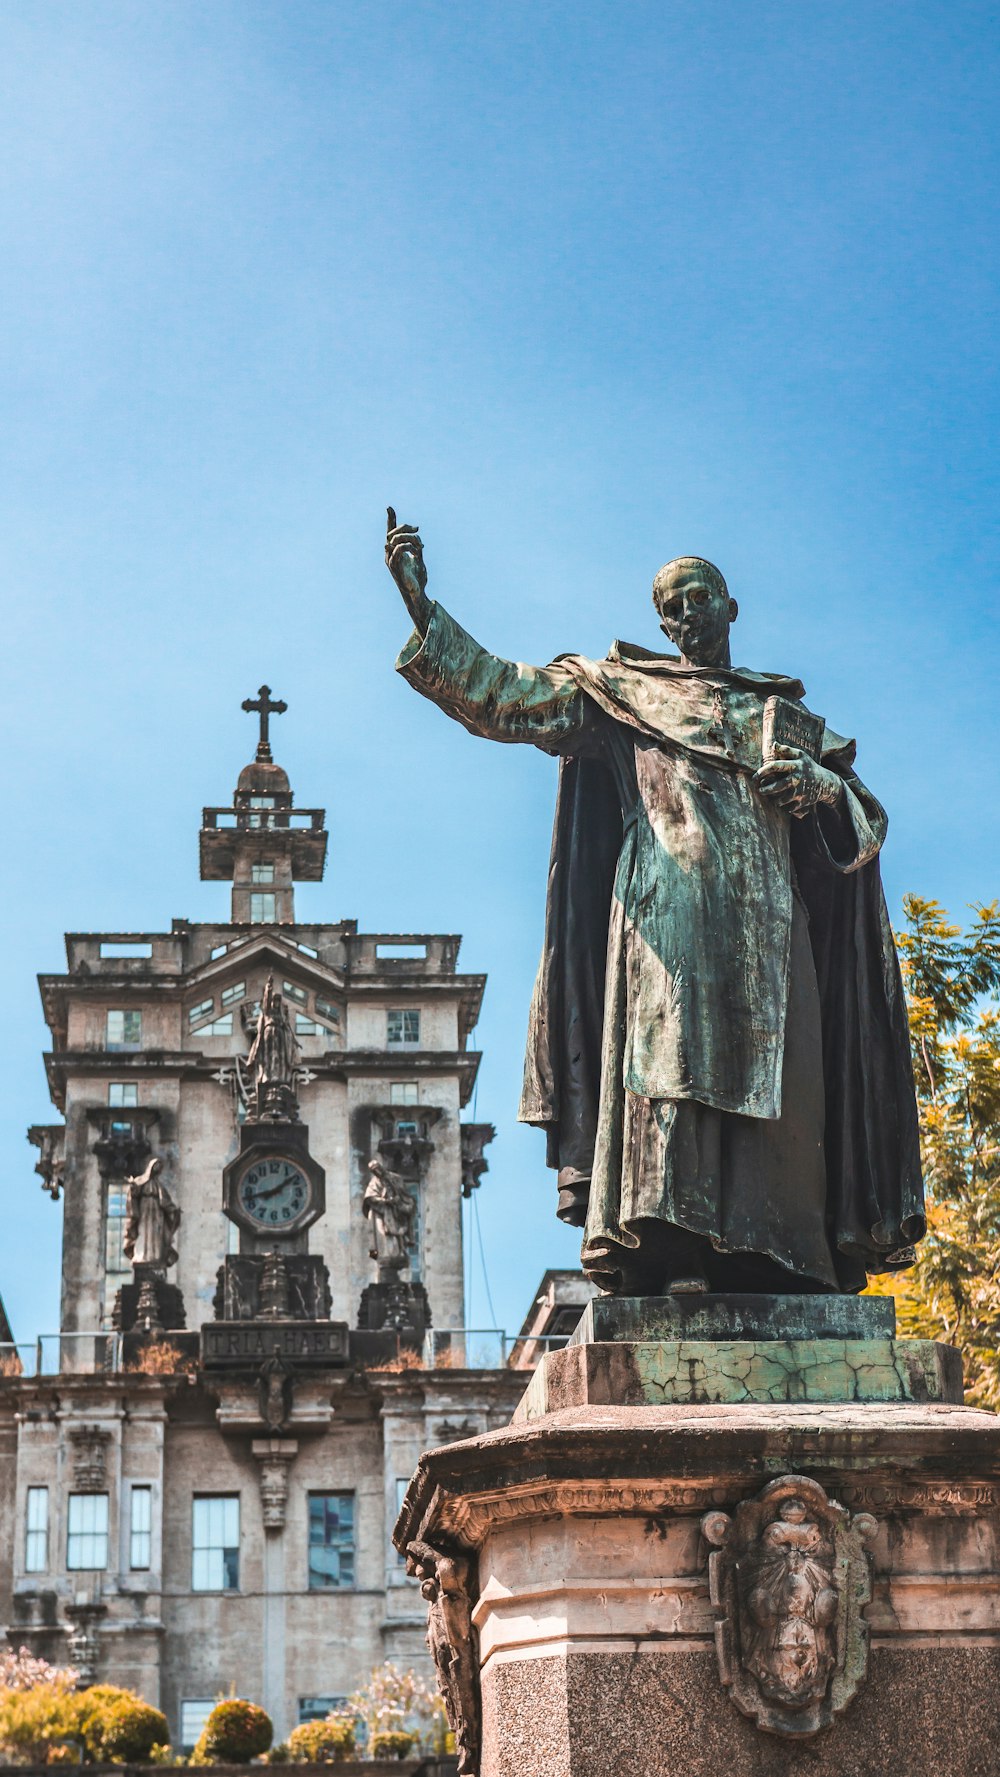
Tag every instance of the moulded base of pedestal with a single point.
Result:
(669, 1372)
(926, 1711)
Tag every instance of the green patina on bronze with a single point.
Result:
(717, 1048)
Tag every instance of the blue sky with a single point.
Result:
(578, 287)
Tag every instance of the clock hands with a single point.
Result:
(271, 1191)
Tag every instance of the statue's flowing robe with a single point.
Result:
(718, 1034)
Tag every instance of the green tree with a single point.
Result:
(952, 982)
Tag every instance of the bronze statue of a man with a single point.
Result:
(718, 1046)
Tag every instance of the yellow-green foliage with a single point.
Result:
(35, 1723)
(394, 1743)
(953, 998)
(320, 1742)
(117, 1727)
(235, 1732)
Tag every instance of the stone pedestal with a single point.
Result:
(617, 1563)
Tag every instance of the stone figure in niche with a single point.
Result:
(791, 1577)
(453, 1642)
(718, 1047)
(392, 1212)
(152, 1220)
(268, 1074)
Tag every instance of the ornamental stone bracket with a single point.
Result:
(122, 1146)
(475, 1137)
(89, 1444)
(274, 1457)
(50, 1140)
(406, 1150)
(447, 1582)
(83, 1637)
(790, 1576)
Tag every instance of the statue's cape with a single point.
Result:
(875, 1192)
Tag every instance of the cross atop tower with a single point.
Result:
(262, 705)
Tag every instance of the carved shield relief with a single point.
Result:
(790, 1577)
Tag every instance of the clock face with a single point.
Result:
(274, 1192)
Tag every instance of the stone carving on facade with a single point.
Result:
(470, 1521)
(790, 1576)
(83, 1644)
(90, 1456)
(475, 1138)
(446, 1582)
(123, 1147)
(276, 1393)
(152, 1220)
(274, 1457)
(50, 1140)
(392, 1212)
(267, 1078)
(404, 1138)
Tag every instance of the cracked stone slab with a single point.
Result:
(667, 1372)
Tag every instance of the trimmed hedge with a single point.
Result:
(235, 1732)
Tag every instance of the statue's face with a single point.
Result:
(696, 615)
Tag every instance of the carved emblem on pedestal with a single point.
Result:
(791, 1576)
(446, 1583)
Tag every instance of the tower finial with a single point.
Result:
(263, 706)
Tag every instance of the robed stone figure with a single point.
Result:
(718, 1045)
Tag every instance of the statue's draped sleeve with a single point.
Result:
(494, 698)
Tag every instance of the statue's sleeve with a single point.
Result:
(497, 699)
(852, 834)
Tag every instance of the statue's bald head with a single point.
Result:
(681, 563)
(695, 609)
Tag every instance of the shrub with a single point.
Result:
(393, 1743)
(321, 1742)
(117, 1727)
(35, 1722)
(235, 1732)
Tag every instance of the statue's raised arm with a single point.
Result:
(404, 558)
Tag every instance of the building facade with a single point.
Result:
(260, 1155)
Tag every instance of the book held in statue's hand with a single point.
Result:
(790, 724)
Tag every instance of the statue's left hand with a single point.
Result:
(796, 782)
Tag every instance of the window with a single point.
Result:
(230, 995)
(294, 992)
(195, 1712)
(327, 1009)
(115, 1217)
(391, 951)
(404, 1092)
(403, 1027)
(123, 947)
(262, 802)
(124, 1030)
(262, 909)
(318, 1708)
(221, 1027)
(200, 1011)
(140, 1529)
(36, 1537)
(307, 1027)
(405, 1127)
(262, 873)
(215, 1543)
(87, 1532)
(122, 1094)
(331, 1541)
(217, 950)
